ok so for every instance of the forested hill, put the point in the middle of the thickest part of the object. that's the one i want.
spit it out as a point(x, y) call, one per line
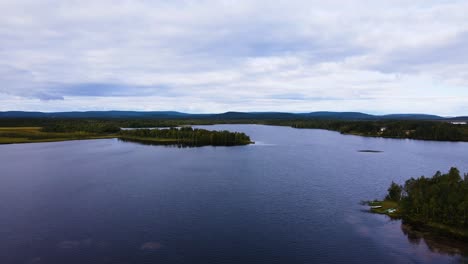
point(93, 114)
point(225, 116)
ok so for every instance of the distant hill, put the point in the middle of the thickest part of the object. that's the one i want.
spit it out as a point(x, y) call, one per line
point(459, 118)
point(93, 114)
point(363, 116)
point(21, 114)
point(254, 115)
point(412, 117)
point(340, 115)
point(226, 116)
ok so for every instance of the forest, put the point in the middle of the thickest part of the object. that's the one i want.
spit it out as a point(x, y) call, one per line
point(62, 130)
point(410, 129)
point(424, 130)
point(440, 201)
point(185, 136)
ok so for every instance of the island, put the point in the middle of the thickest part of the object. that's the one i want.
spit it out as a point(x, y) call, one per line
point(370, 151)
point(438, 204)
point(178, 136)
point(185, 136)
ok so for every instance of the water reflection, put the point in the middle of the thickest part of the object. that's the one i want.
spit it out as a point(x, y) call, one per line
point(437, 244)
point(151, 246)
point(168, 143)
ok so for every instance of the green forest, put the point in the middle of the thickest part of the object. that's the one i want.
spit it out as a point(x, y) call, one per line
point(95, 129)
point(440, 201)
point(185, 136)
point(410, 129)
point(424, 130)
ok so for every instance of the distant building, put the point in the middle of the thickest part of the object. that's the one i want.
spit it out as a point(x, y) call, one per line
point(382, 129)
point(458, 123)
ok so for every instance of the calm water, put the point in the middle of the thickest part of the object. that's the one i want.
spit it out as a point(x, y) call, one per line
point(291, 198)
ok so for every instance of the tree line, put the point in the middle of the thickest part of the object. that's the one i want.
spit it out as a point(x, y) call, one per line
point(425, 130)
point(411, 129)
point(186, 136)
point(442, 198)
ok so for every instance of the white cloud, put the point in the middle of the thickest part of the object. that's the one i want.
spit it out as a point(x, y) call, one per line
point(209, 56)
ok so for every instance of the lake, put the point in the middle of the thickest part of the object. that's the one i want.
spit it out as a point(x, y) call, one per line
point(293, 197)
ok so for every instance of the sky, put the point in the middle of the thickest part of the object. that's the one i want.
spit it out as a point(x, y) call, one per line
point(207, 56)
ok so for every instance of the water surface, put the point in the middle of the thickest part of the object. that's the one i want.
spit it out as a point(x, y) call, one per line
point(293, 197)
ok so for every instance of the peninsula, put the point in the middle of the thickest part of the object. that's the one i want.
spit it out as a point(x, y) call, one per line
point(184, 136)
point(438, 204)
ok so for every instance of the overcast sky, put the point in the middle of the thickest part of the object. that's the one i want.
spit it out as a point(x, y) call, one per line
point(216, 56)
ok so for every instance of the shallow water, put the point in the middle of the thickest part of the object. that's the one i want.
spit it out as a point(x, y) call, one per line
point(293, 197)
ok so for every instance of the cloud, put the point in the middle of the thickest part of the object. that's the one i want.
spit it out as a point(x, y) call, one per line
point(48, 97)
point(205, 56)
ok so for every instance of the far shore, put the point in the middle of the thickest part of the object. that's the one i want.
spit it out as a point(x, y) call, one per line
point(22, 135)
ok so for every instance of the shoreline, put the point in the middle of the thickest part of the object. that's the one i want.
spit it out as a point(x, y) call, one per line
point(68, 136)
point(434, 229)
point(25, 135)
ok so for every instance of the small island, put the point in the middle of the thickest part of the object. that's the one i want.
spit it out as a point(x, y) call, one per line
point(62, 131)
point(185, 136)
point(438, 204)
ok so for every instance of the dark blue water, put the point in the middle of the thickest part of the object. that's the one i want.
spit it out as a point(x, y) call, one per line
point(291, 198)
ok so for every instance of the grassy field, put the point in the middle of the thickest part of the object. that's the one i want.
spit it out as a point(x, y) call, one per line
point(10, 135)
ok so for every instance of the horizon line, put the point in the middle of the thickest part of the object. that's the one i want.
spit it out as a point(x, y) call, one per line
point(233, 111)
